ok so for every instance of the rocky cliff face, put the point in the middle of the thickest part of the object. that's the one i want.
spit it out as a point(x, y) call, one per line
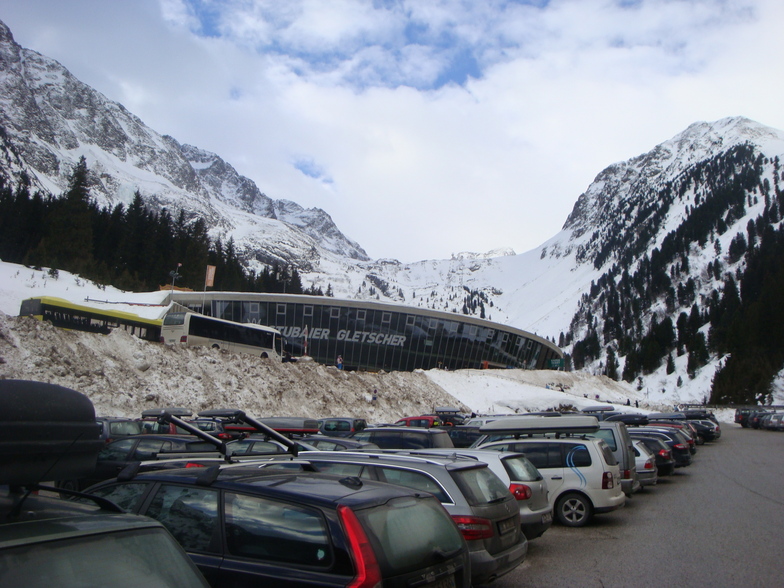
point(49, 119)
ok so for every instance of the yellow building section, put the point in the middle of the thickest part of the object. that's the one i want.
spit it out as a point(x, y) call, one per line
point(68, 315)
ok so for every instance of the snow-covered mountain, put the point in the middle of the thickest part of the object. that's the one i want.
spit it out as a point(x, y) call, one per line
point(49, 119)
point(649, 210)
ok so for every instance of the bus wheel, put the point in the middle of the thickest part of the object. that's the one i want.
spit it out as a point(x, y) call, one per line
point(264, 355)
point(215, 346)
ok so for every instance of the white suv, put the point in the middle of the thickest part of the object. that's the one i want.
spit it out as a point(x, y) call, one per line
point(582, 474)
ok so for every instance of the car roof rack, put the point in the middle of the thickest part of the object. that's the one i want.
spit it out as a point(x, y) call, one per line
point(601, 408)
point(174, 411)
point(234, 415)
point(530, 425)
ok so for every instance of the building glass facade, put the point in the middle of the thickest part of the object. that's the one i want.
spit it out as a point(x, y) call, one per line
point(373, 336)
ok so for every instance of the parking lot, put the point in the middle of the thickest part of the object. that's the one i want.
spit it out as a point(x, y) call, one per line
point(715, 523)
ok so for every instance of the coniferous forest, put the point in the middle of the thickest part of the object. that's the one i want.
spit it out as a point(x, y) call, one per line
point(741, 320)
point(133, 248)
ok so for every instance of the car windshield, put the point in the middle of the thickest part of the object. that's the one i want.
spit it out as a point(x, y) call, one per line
point(480, 485)
point(148, 557)
point(412, 533)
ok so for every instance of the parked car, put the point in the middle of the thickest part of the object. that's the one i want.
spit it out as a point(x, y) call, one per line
point(325, 443)
point(245, 526)
point(646, 464)
point(742, 416)
point(674, 439)
point(479, 502)
point(617, 438)
point(404, 437)
point(424, 421)
point(47, 541)
point(525, 482)
point(113, 428)
point(341, 426)
point(450, 415)
point(463, 435)
point(706, 429)
point(152, 425)
point(776, 422)
point(665, 463)
point(583, 476)
point(114, 457)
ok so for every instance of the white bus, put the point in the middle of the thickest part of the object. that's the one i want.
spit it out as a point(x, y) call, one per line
point(197, 329)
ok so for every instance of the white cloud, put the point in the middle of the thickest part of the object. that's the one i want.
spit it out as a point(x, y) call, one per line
point(415, 169)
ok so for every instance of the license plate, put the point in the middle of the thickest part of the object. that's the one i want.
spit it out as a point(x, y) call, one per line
point(445, 582)
point(547, 518)
point(506, 526)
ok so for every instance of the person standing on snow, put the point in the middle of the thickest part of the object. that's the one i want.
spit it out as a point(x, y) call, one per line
point(339, 362)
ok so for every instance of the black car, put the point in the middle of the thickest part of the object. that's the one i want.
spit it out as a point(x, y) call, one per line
point(113, 428)
point(405, 437)
point(341, 426)
point(117, 455)
point(673, 438)
point(665, 462)
point(46, 541)
point(246, 526)
point(326, 443)
point(463, 435)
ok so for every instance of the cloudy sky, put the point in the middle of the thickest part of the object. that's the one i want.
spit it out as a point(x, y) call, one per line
point(424, 127)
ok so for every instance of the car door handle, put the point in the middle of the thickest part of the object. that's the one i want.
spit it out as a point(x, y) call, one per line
point(556, 478)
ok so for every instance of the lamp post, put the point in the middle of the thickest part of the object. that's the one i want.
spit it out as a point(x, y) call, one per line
point(174, 275)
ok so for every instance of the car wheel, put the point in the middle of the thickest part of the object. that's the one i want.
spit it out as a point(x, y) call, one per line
point(573, 510)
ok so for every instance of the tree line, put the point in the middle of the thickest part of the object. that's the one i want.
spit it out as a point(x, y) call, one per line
point(134, 248)
point(742, 319)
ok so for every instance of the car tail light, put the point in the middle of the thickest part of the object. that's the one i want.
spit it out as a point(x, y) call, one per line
point(191, 464)
point(649, 465)
point(520, 491)
point(368, 571)
point(607, 481)
point(184, 339)
point(665, 453)
point(680, 446)
point(474, 528)
point(627, 474)
point(225, 436)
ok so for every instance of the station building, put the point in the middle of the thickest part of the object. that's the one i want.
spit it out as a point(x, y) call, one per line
point(374, 336)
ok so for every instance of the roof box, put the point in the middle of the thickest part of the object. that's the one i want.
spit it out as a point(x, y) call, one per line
point(47, 432)
point(575, 424)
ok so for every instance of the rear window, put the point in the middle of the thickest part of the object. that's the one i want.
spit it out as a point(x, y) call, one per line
point(410, 533)
point(413, 479)
point(337, 426)
point(125, 428)
point(480, 485)
point(260, 528)
point(520, 469)
point(608, 455)
point(608, 436)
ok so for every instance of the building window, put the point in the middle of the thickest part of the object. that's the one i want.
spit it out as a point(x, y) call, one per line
point(410, 320)
point(308, 311)
point(386, 317)
point(334, 312)
point(361, 314)
point(520, 339)
point(281, 308)
point(504, 337)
